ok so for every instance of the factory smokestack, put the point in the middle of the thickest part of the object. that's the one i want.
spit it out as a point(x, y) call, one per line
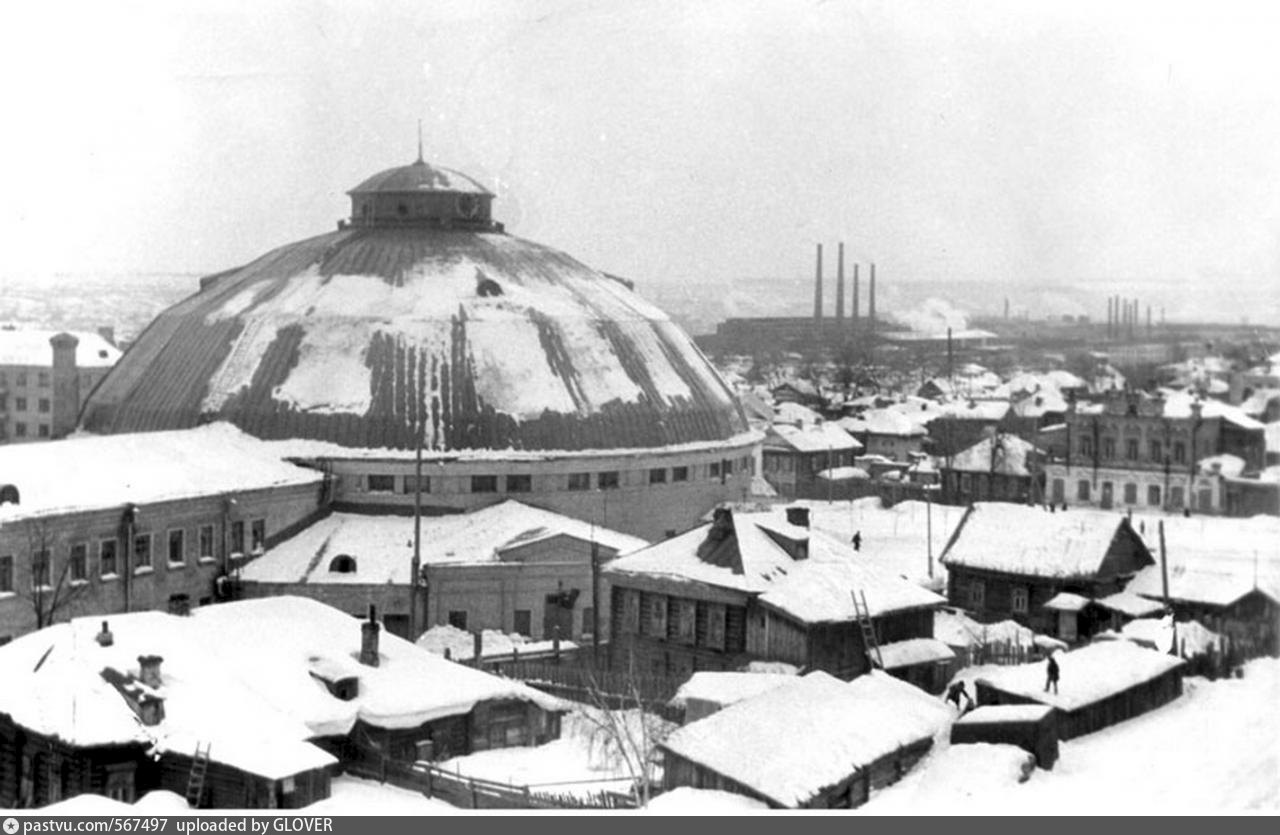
point(951, 356)
point(1110, 315)
point(1006, 308)
point(853, 323)
point(871, 300)
point(840, 290)
point(1148, 320)
point(817, 296)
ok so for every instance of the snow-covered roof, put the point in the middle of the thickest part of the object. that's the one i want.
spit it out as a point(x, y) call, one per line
point(914, 651)
point(382, 545)
point(1222, 464)
point(88, 472)
point(844, 474)
point(1030, 541)
point(1179, 405)
point(1213, 560)
point(1086, 675)
point(957, 629)
point(1065, 601)
point(239, 677)
point(1041, 403)
point(750, 561)
point(820, 437)
point(684, 800)
point(795, 413)
point(999, 714)
point(889, 422)
point(791, 742)
point(461, 644)
point(1006, 455)
point(984, 410)
point(1130, 604)
point(1159, 634)
point(728, 688)
point(31, 347)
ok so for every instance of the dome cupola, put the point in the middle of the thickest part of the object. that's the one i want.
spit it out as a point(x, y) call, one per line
point(419, 194)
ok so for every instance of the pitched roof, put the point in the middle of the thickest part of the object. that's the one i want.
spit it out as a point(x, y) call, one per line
point(793, 741)
point(892, 422)
point(728, 688)
point(821, 437)
point(1006, 456)
point(31, 347)
point(1030, 541)
point(1213, 560)
point(383, 545)
point(238, 676)
point(750, 561)
point(111, 471)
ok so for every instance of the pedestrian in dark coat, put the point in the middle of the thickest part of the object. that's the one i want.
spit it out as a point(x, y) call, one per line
point(1052, 677)
point(956, 692)
point(857, 541)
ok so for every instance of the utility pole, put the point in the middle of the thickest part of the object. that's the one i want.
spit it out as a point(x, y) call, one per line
point(928, 521)
point(416, 565)
point(1164, 584)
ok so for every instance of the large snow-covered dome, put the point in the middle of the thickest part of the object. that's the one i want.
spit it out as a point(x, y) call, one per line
point(420, 312)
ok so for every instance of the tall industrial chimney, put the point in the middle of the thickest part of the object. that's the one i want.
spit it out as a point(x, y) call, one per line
point(817, 297)
point(1110, 315)
point(871, 300)
point(854, 322)
point(840, 290)
point(1148, 320)
point(1006, 308)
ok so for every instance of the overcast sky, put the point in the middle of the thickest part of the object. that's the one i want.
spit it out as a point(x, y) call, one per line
point(661, 140)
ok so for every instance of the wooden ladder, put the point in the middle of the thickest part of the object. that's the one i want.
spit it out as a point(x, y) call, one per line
point(195, 781)
point(869, 641)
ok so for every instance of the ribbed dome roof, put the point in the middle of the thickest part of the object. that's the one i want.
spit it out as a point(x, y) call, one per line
point(419, 177)
point(492, 342)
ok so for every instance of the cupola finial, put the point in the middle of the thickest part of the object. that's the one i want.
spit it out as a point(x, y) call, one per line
point(420, 160)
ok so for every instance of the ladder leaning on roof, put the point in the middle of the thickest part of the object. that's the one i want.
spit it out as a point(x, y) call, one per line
point(195, 782)
point(869, 641)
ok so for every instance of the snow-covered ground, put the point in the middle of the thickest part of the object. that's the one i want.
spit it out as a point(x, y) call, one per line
point(354, 796)
point(1214, 750)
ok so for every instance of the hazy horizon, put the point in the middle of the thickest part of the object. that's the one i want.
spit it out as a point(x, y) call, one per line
point(1018, 145)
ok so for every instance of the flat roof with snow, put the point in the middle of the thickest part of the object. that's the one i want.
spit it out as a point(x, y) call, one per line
point(1087, 675)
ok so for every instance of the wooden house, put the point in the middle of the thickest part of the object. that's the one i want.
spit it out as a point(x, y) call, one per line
point(1000, 468)
point(253, 704)
point(815, 743)
point(793, 456)
point(1100, 685)
point(1008, 561)
point(751, 586)
point(1033, 728)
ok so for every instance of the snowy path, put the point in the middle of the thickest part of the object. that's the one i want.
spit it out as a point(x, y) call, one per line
point(1216, 749)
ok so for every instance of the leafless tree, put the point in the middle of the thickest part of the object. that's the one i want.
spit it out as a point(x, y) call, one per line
point(623, 730)
point(52, 588)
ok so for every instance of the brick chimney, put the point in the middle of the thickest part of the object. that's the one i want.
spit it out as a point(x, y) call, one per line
point(105, 638)
point(66, 385)
point(149, 670)
point(369, 638)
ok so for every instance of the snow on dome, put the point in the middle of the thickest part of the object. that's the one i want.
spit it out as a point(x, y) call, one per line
point(374, 334)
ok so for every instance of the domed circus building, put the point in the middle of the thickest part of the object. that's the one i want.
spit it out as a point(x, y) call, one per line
point(521, 372)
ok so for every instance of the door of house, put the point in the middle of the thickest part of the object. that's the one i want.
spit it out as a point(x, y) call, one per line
point(557, 619)
point(1059, 491)
point(1067, 626)
point(1106, 495)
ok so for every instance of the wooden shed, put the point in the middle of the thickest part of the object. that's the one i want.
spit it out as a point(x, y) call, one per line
point(1033, 728)
point(1099, 685)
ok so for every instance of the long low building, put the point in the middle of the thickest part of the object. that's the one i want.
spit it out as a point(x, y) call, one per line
point(100, 525)
point(509, 567)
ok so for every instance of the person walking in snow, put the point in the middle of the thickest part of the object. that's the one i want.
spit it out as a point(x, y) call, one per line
point(857, 541)
point(1052, 677)
point(954, 694)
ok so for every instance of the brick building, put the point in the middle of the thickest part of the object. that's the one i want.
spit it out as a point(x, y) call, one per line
point(45, 376)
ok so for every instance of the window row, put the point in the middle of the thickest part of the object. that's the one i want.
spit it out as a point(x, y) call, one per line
point(22, 404)
point(523, 482)
point(21, 379)
point(522, 622)
point(694, 623)
point(1154, 494)
point(46, 574)
point(976, 597)
point(1156, 451)
point(20, 430)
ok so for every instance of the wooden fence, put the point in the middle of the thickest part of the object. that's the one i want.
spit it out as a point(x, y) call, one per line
point(1002, 653)
point(478, 793)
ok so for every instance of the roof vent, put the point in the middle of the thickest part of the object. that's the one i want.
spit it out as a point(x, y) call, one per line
point(369, 639)
point(149, 670)
point(105, 638)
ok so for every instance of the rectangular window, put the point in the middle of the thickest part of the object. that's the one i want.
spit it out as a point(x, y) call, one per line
point(1175, 498)
point(237, 537)
point(79, 562)
point(1108, 448)
point(42, 378)
point(258, 535)
point(679, 473)
point(726, 468)
point(1082, 491)
point(19, 404)
point(1019, 598)
point(715, 625)
point(977, 594)
point(588, 621)
point(107, 558)
point(41, 570)
point(42, 430)
point(142, 551)
point(520, 483)
point(6, 574)
point(1086, 446)
point(1153, 447)
point(579, 481)
point(20, 430)
point(522, 623)
point(43, 405)
point(484, 484)
point(380, 483)
point(1131, 493)
point(658, 475)
point(21, 378)
point(1153, 495)
point(713, 470)
point(1131, 449)
point(206, 543)
point(410, 485)
point(177, 547)
point(458, 619)
point(608, 480)
point(1180, 453)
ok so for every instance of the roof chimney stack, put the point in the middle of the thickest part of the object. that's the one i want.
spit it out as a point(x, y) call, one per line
point(105, 638)
point(369, 638)
point(149, 670)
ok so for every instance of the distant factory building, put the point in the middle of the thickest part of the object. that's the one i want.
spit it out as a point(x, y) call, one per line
point(45, 376)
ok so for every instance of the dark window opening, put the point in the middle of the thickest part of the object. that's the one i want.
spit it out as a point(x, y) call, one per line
point(177, 547)
point(410, 485)
point(484, 484)
point(658, 475)
point(343, 564)
point(679, 473)
point(237, 537)
point(458, 619)
point(521, 483)
point(522, 623)
point(107, 557)
point(381, 483)
point(258, 535)
point(608, 480)
point(579, 481)
point(142, 551)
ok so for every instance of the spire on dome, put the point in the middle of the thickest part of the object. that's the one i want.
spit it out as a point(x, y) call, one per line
point(420, 160)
